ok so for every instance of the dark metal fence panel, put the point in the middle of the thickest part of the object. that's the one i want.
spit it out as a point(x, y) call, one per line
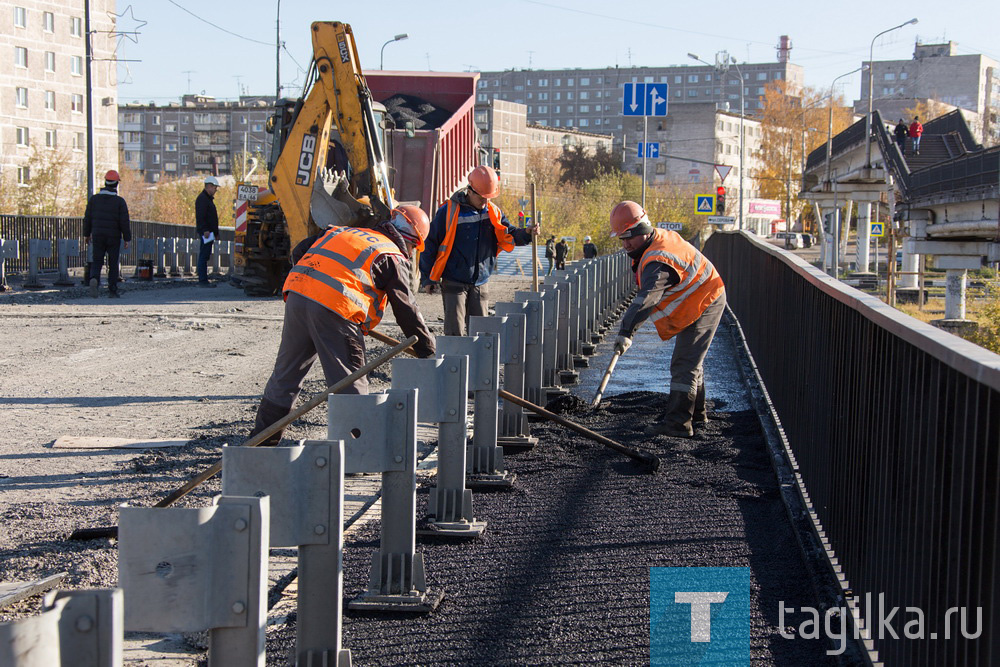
point(23, 228)
point(980, 170)
point(895, 427)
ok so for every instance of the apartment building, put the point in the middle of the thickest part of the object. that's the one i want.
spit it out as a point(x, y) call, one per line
point(195, 136)
point(939, 73)
point(43, 82)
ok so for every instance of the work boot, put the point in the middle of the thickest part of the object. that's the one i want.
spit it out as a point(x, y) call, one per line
point(93, 288)
point(268, 413)
point(700, 414)
point(677, 421)
point(114, 295)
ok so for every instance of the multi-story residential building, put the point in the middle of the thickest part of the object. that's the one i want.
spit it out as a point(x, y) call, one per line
point(505, 132)
point(937, 73)
point(591, 99)
point(43, 82)
point(199, 135)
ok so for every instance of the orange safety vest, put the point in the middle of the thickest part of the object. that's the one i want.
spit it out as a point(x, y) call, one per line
point(336, 273)
point(505, 241)
point(699, 287)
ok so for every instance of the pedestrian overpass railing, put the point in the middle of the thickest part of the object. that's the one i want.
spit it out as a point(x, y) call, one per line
point(23, 228)
point(894, 430)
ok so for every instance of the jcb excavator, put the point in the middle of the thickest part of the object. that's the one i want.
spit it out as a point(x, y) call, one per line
point(327, 165)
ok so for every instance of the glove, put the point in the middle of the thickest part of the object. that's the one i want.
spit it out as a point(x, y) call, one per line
point(622, 344)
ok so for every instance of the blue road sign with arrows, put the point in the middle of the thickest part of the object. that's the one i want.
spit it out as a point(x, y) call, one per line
point(651, 149)
point(644, 99)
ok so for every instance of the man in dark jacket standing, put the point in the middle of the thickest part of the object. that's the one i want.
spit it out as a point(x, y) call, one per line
point(900, 132)
point(466, 235)
point(207, 224)
point(105, 226)
point(550, 253)
point(589, 248)
point(562, 249)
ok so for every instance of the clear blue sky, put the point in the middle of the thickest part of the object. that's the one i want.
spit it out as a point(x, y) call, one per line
point(177, 43)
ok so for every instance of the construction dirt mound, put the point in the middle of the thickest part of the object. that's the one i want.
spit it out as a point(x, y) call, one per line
point(405, 109)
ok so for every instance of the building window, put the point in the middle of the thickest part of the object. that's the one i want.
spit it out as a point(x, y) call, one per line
point(531, 110)
point(76, 26)
point(170, 127)
point(50, 138)
point(156, 140)
point(50, 61)
point(903, 76)
point(20, 56)
point(543, 109)
point(20, 17)
point(692, 93)
point(583, 122)
point(21, 97)
point(708, 78)
point(584, 95)
point(569, 82)
point(185, 159)
point(584, 81)
point(155, 157)
point(76, 65)
point(558, 82)
point(81, 177)
point(79, 142)
point(584, 108)
point(518, 88)
point(48, 22)
point(50, 100)
point(779, 75)
point(543, 96)
point(21, 135)
point(890, 76)
point(481, 97)
point(76, 106)
point(257, 127)
point(543, 82)
point(185, 141)
point(170, 147)
point(23, 175)
point(661, 168)
point(569, 95)
point(760, 91)
point(762, 76)
point(155, 119)
point(692, 78)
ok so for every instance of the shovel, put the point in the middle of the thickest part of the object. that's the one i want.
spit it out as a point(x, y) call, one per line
point(319, 399)
point(649, 460)
point(604, 380)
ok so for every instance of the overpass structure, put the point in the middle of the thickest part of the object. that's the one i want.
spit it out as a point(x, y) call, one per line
point(945, 200)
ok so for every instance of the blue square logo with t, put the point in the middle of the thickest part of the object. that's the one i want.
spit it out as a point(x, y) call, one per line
point(699, 616)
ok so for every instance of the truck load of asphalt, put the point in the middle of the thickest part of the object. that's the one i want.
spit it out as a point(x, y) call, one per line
point(562, 572)
point(410, 108)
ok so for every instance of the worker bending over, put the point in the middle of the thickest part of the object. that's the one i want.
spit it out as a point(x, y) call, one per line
point(682, 293)
point(466, 235)
point(334, 295)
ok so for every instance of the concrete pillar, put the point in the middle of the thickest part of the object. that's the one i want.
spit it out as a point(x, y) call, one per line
point(862, 254)
point(954, 295)
point(845, 230)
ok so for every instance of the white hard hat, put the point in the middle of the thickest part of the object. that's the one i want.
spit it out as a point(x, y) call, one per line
point(586, 238)
point(212, 180)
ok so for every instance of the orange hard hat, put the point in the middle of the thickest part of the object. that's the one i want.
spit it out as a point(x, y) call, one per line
point(484, 181)
point(412, 223)
point(626, 217)
point(112, 175)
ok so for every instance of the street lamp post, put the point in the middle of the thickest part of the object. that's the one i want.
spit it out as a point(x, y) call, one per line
point(871, 90)
point(742, 136)
point(397, 38)
point(835, 223)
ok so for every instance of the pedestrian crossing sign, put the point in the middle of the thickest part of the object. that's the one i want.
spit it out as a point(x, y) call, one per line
point(704, 204)
point(878, 229)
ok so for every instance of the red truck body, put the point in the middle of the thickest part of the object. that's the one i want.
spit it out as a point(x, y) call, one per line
point(432, 164)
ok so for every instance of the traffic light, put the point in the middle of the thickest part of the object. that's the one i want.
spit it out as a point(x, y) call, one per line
point(520, 219)
point(720, 200)
point(496, 160)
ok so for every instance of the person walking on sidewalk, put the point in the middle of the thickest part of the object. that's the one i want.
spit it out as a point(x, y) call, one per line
point(207, 225)
point(105, 225)
point(466, 235)
point(334, 295)
point(680, 290)
point(916, 131)
point(900, 132)
point(550, 253)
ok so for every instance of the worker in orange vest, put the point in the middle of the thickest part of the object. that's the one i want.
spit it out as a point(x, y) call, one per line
point(334, 295)
point(466, 235)
point(683, 294)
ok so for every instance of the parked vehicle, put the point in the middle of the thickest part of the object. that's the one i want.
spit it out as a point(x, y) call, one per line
point(789, 240)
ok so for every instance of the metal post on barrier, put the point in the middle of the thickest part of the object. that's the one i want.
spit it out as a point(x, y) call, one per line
point(37, 249)
point(9, 249)
point(184, 259)
point(380, 435)
point(161, 250)
point(513, 427)
point(564, 373)
point(484, 464)
point(75, 627)
point(173, 257)
point(531, 305)
point(197, 569)
point(64, 249)
point(443, 387)
point(217, 251)
point(305, 485)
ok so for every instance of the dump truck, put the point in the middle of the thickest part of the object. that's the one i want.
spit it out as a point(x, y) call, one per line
point(333, 151)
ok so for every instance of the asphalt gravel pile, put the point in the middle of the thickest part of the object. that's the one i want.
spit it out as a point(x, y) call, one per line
point(561, 574)
point(416, 110)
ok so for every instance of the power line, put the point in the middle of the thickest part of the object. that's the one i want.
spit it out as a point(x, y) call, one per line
point(218, 27)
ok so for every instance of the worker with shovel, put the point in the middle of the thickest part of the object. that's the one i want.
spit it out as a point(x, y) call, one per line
point(334, 295)
point(683, 294)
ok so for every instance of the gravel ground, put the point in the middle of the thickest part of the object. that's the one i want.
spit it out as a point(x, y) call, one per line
point(168, 360)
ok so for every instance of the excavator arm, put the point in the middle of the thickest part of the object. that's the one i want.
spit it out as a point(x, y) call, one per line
point(330, 169)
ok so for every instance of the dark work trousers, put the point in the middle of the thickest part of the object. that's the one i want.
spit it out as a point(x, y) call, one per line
point(462, 301)
point(312, 332)
point(690, 347)
point(551, 263)
point(110, 246)
point(204, 254)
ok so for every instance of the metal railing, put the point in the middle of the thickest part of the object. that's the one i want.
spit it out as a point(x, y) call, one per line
point(23, 228)
point(895, 430)
point(853, 135)
point(973, 170)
